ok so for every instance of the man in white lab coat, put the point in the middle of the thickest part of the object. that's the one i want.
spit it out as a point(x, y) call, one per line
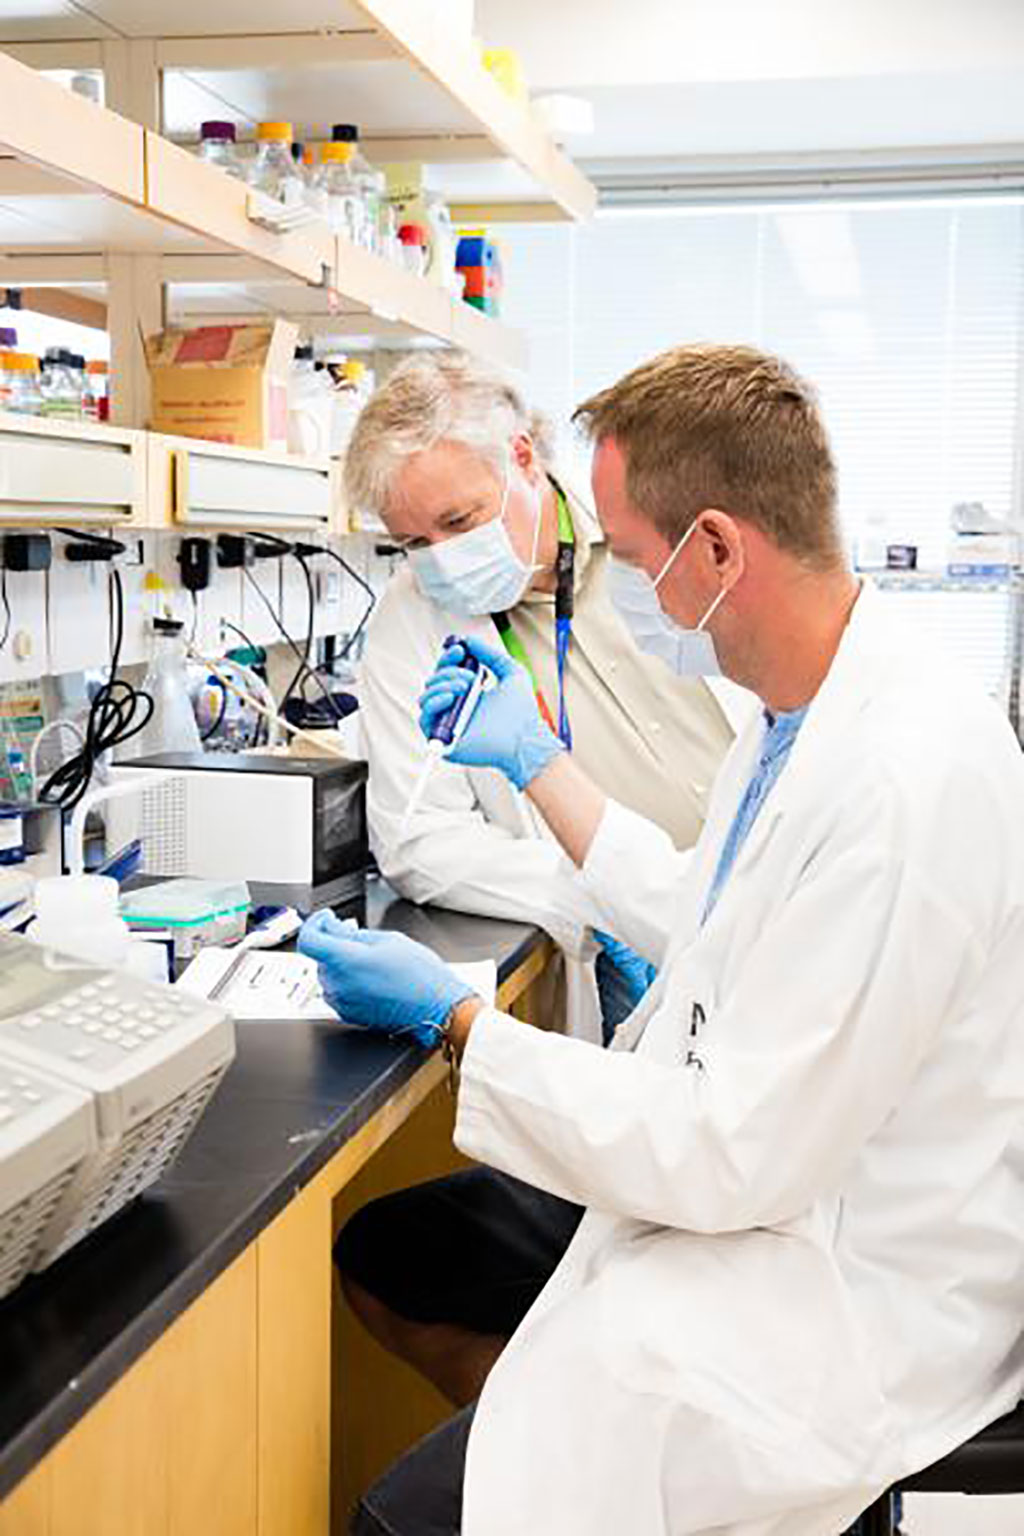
point(461, 473)
point(799, 1275)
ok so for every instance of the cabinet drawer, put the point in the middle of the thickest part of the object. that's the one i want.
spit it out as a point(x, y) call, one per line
point(49, 477)
point(213, 489)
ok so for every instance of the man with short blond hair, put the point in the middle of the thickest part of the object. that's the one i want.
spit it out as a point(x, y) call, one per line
point(796, 1276)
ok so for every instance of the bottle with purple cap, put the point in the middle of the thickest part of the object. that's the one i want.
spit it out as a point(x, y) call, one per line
point(218, 146)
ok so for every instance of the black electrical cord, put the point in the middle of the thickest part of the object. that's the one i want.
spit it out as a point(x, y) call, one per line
point(114, 714)
point(304, 665)
point(371, 594)
point(7, 608)
point(227, 624)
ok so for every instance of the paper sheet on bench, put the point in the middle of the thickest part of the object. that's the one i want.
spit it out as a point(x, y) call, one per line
point(271, 984)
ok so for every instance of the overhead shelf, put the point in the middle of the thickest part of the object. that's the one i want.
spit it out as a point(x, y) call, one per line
point(407, 70)
point(77, 181)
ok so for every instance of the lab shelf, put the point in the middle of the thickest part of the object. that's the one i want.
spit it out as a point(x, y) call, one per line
point(407, 70)
point(77, 181)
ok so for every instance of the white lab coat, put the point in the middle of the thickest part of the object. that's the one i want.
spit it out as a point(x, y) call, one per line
point(477, 844)
point(801, 1271)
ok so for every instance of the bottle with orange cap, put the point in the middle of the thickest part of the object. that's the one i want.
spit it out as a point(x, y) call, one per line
point(274, 170)
point(19, 383)
point(341, 197)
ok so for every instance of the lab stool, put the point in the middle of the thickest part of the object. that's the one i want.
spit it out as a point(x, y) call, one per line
point(991, 1463)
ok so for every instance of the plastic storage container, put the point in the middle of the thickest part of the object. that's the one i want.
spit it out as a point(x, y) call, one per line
point(273, 170)
point(194, 912)
point(217, 146)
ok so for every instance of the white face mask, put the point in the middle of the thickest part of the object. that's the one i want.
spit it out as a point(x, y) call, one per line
point(689, 652)
point(476, 572)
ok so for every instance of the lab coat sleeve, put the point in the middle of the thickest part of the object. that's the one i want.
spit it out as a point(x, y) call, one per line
point(452, 854)
point(633, 880)
point(831, 1017)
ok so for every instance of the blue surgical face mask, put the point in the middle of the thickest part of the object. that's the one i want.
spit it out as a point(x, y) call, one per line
point(689, 652)
point(476, 572)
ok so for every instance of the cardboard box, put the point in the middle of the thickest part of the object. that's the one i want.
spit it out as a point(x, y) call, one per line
point(225, 383)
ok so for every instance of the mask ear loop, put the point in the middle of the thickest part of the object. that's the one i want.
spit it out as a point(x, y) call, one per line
point(706, 620)
point(675, 554)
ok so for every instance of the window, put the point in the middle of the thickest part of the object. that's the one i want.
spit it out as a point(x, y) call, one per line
point(906, 315)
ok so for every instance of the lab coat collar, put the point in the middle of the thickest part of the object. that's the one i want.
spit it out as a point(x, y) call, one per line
point(860, 663)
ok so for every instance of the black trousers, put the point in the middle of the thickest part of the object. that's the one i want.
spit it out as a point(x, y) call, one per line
point(474, 1249)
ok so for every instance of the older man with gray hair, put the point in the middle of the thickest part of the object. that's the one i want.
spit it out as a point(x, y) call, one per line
point(500, 547)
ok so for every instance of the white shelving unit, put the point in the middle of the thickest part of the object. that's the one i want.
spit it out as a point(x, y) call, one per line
point(102, 202)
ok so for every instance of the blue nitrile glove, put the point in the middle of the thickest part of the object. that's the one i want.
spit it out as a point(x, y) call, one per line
point(638, 973)
point(384, 981)
point(506, 731)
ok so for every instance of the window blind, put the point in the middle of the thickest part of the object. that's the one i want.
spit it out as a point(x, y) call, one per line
point(906, 314)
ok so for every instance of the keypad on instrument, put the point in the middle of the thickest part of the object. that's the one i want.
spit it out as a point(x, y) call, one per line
point(101, 1023)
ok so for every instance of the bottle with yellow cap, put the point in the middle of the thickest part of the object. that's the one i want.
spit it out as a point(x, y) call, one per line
point(19, 383)
point(274, 170)
point(340, 194)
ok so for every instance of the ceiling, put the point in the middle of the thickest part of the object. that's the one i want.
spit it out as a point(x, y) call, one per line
point(707, 78)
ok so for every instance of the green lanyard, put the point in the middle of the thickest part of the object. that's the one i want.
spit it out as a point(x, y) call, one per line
point(565, 567)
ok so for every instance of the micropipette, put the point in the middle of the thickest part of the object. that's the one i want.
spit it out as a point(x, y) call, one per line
point(447, 730)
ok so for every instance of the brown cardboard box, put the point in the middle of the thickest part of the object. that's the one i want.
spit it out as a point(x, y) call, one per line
point(227, 383)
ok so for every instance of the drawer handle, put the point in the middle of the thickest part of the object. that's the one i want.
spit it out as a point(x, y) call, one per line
point(179, 484)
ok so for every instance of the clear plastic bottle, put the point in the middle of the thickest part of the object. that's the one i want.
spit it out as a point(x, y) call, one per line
point(310, 404)
point(274, 171)
point(218, 146)
point(172, 726)
point(351, 385)
point(61, 392)
point(340, 193)
point(371, 183)
point(387, 223)
point(76, 368)
point(414, 242)
point(97, 391)
point(19, 384)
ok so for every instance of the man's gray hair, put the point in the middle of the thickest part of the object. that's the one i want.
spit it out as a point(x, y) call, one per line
point(432, 398)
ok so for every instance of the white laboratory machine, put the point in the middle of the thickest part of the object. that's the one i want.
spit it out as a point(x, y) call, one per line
point(296, 823)
point(47, 1135)
point(146, 1056)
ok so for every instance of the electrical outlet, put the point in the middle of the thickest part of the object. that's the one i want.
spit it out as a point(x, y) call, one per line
point(328, 584)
